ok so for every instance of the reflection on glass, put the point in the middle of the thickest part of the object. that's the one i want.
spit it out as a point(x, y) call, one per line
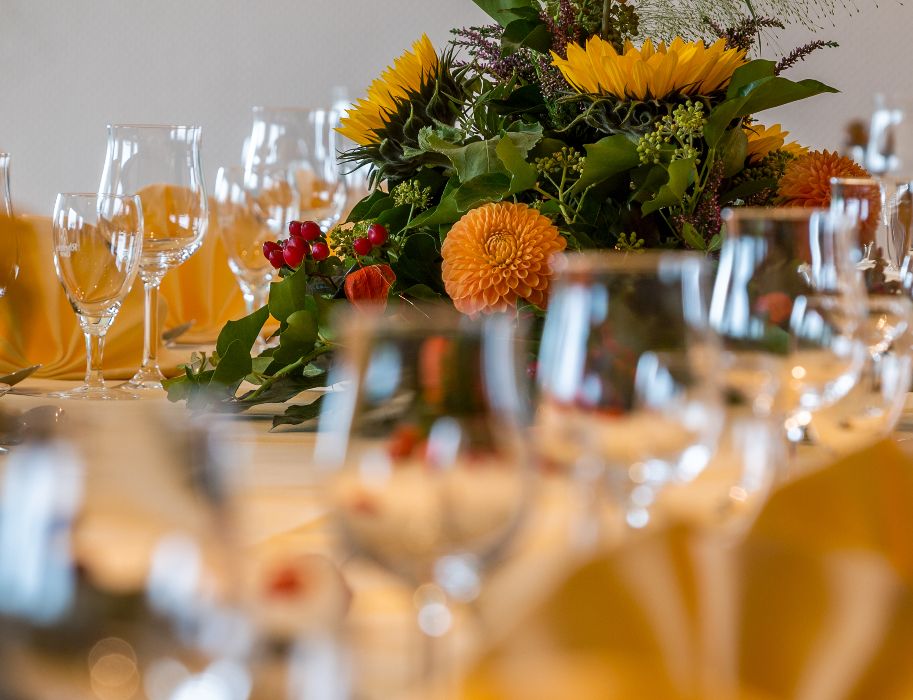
point(627, 392)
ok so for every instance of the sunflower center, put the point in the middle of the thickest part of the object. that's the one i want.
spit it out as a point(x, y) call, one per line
point(501, 247)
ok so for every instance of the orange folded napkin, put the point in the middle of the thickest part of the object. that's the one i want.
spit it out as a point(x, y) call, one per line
point(37, 324)
point(814, 603)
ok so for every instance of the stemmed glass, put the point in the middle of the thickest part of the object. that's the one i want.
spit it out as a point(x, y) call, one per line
point(627, 395)
point(9, 264)
point(789, 306)
point(879, 396)
point(245, 224)
point(303, 143)
point(98, 243)
point(426, 452)
point(6, 202)
point(162, 165)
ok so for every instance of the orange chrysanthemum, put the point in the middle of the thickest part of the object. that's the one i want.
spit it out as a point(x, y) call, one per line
point(497, 254)
point(764, 140)
point(807, 180)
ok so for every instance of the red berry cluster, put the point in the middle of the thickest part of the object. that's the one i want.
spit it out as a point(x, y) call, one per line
point(376, 236)
point(305, 240)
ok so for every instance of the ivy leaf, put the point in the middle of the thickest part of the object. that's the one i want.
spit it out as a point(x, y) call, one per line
point(285, 389)
point(244, 330)
point(298, 414)
point(605, 158)
point(288, 295)
point(234, 364)
point(682, 174)
point(370, 206)
point(299, 336)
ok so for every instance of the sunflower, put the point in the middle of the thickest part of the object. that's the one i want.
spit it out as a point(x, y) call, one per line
point(364, 123)
point(497, 254)
point(806, 181)
point(650, 72)
point(764, 140)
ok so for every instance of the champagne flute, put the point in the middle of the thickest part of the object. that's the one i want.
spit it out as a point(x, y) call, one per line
point(303, 143)
point(245, 224)
point(98, 243)
point(426, 452)
point(627, 395)
point(789, 306)
point(160, 164)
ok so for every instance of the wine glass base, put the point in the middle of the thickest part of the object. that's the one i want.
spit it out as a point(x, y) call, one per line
point(146, 380)
point(92, 393)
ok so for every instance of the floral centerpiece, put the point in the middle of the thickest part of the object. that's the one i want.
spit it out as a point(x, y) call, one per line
point(564, 125)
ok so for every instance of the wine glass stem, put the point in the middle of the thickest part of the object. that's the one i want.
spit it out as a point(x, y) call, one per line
point(95, 347)
point(151, 281)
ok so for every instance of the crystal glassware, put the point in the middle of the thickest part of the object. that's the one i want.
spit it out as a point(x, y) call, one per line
point(627, 395)
point(6, 200)
point(9, 246)
point(789, 307)
point(162, 165)
point(303, 143)
point(426, 451)
point(245, 224)
point(98, 243)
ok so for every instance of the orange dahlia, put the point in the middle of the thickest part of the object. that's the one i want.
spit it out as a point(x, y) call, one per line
point(497, 254)
point(807, 180)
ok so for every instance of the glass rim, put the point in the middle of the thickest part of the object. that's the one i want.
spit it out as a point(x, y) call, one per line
point(855, 181)
point(98, 195)
point(619, 261)
point(185, 127)
point(770, 213)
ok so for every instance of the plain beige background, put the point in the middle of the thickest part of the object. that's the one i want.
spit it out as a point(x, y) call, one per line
point(67, 67)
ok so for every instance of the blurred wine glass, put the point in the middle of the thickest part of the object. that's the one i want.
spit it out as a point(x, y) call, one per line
point(161, 164)
point(9, 245)
point(302, 143)
point(426, 452)
point(6, 200)
point(890, 145)
point(789, 306)
point(245, 224)
point(98, 241)
point(627, 394)
point(878, 398)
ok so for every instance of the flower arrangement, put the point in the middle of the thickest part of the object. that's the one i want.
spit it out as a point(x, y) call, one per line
point(559, 126)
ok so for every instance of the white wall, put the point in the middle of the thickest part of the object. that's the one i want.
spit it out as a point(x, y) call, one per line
point(67, 67)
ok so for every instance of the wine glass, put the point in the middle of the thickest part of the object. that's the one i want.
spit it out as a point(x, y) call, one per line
point(627, 393)
point(160, 164)
point(878, 398)
point(302, 143)
point(98, 243)
point(9, 264)
point(789, 306)
point(6, 201)
point(890, 146)
point(245, 224)
point(426, 452)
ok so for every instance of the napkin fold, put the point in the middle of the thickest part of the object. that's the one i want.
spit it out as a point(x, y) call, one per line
point(38, 325)
point(815, 603)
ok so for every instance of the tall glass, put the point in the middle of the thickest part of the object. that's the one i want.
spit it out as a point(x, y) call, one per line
point(628, 400)
point(304, 144)
point(160, 164)
point(245, 224)
point(98, 241)
point(9, 246)
point(6, 200)
point(789, 307)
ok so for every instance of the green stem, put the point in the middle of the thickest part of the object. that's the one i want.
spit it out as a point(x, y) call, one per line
point(288, 369)
point(606, 7)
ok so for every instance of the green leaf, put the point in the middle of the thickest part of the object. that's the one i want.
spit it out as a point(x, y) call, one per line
point(527, 33)
point(778, 91)
point(720, 118)
point(234, 365)
point(605, 158)
point(421, 291)
point(488, 187)
point(691, 237)
point(506, 11)
point(733, 148)
point(245, 330)
point(715, 243)
point(682, 174)
point(420, 262)
point(370, 206)
point(747, 189)
point(298, 414)
point(512, 151)
point(298, 338)
point(288, 295)
point(285, 389)
point(749, 73)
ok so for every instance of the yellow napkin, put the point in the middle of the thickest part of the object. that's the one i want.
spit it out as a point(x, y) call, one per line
point(815, 603)
point(37, 324)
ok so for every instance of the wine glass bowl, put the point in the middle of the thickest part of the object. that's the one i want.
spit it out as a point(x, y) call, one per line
point(303, 144)
point(625, 374)
point(161, 164)
point(98, 242)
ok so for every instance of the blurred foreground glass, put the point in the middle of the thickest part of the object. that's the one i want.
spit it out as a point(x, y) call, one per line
point(426, 451)
point(9, 245)
point(245, 225)
point(98, 243)
point(878, 399)
point(162, 165)
point(627, 394)
point(890, 146)
point(6, 200)
point(789, 306)
point(114, 582)
point(303, 144)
